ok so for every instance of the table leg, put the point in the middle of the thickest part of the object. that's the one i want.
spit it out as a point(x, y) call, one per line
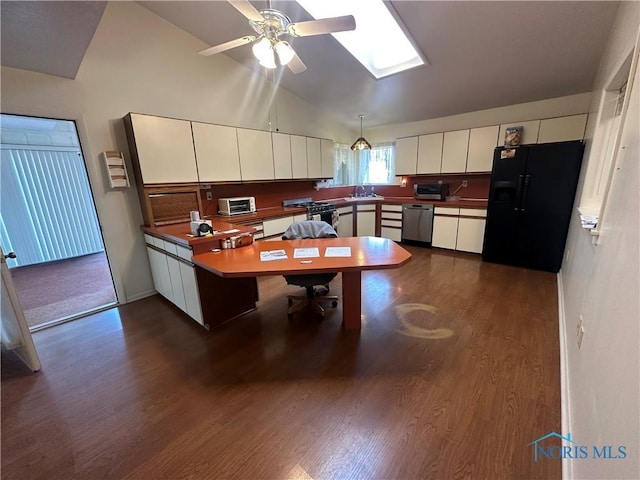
point(351, 299)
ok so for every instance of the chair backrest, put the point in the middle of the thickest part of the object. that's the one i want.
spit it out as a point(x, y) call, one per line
point(309, 229)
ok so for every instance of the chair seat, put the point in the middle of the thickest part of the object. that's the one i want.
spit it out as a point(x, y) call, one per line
point(310, 280)
point(310, 229)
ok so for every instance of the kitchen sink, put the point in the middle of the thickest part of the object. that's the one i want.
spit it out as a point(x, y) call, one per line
point(355, 199)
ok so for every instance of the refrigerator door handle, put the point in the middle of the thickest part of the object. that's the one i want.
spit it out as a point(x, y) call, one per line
point(519, 193)
point(527, 180)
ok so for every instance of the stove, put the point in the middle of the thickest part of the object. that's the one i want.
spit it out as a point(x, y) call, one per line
point(311, 206)
point(323, 211)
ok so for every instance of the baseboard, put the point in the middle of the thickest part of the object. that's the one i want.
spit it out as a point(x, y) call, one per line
point(140, 296)
point(565, 410)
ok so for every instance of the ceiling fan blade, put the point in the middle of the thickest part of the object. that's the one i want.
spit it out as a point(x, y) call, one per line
point(227, 45)
point(296, 65)
point(246, 9)
point(325, 25)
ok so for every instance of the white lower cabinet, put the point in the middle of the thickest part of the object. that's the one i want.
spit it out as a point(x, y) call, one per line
point(445, 232)
point(394, 234)
point(176, 283)
point(470, 235)
point(191, 294)
point(160, 273)
point(471, 230)
point(276, 226)
point(459, 228)
point(175, 278)
point(391, 222)
point(345, 222)
point(366, 221)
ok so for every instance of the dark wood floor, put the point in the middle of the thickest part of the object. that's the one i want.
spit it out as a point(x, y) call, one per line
point(455, 372)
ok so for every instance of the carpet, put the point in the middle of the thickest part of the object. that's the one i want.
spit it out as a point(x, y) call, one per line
point(57, 290)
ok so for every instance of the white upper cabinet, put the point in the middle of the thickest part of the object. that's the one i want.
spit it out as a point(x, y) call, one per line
point(281, 155)
point(406, 155)
point(314, 158)
point(256, 154)
point(430, 153)
point(326, 150)
point(482, 143)
point(216, 152)
point(529, 134)
point(299, 156)
point(562, 129)
point(454, 151)
point(165, 149)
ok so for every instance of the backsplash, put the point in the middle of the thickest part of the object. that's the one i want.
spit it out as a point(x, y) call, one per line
point(271, 194)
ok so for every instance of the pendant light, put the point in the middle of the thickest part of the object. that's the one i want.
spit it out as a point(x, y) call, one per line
point(361, 143)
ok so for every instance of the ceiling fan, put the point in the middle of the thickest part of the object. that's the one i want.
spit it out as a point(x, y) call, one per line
point(270, 25)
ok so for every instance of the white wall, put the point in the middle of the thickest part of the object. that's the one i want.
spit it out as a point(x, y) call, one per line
point(138, 62)
point(602, 283)
point(554, 107)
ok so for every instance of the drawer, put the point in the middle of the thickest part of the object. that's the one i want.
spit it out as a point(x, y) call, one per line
point(391, 208)
point(366, 208)
point(184, 252)
point(301, 217)
point(276, 226)
point(345, 210)
point(148, 239)
point(158, 242)
point(391, 233)
point(446, 211)
point(387, 222)
point(391, 215)
point(170, 247)
point(473, 212)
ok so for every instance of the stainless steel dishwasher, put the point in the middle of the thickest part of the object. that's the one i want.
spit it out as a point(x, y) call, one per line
point(417, 223)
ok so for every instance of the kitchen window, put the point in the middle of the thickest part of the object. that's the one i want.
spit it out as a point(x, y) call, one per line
point(370, 167)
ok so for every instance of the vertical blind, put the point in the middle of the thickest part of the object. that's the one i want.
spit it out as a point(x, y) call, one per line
point(46, 208)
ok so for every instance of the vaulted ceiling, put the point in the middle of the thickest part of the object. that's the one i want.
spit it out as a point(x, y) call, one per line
point(481, 54)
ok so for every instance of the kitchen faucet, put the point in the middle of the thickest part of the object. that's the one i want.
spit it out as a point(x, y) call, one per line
point(363, 190)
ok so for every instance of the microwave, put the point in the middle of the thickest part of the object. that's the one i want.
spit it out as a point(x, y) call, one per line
point(431, 191)
point(236, 206)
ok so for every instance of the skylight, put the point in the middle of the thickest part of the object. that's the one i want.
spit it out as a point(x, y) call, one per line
point(378, 42)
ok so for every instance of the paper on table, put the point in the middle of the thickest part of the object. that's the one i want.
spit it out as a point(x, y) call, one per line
point(306, 252)
point(337, 252)
point(269, 255)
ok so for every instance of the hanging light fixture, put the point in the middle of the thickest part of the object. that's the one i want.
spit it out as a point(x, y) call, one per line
point(361, 143)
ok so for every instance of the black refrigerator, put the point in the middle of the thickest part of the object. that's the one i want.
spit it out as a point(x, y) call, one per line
point(530, 202)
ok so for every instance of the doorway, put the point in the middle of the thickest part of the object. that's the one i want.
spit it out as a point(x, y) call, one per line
point(48, 218)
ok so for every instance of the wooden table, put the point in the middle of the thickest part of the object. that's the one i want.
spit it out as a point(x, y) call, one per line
point(367, 253)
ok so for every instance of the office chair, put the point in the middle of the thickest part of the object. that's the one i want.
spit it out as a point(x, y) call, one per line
point(310, 229)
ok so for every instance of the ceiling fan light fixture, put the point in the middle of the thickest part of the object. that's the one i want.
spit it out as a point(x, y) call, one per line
point(361, 143)
point(284, 51)
point(263, 51)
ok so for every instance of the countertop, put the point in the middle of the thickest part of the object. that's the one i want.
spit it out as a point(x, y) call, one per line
point(180, 233)
point(464, 203)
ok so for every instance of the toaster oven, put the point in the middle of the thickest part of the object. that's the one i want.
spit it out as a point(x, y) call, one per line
point(431, 191)
point(236, 206)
